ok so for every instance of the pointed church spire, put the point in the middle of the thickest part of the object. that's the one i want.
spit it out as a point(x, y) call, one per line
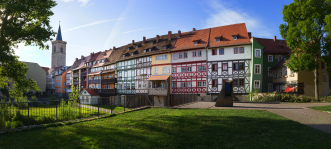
point(59, 35)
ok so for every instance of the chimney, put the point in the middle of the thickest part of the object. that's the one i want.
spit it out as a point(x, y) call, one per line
point(114, 47)
point(169, 35)
point(179, 33)
point(194, 29)
point(144, 39)
point(249, 35)
point(76, 59)
point(82, 57)
point(132, 42)
point(157, 38)
point(275, 38)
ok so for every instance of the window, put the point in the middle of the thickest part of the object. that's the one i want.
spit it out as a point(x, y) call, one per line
point(275, 74)
point(199, 53)
point(238, 66)
point(204, 68)
point(257, 68)
point(270, 58)
point(241, 50)
point(175, 55)
point(164, 47)
point(174, 85)
point(185, 54)
point(189, 84)
point(161, 57)
point(137, 47)
point(195, 42)
point(279, 57)
point(198, 68)
point(204, 84)
point(183, 84)
point(257, 52)
point(183, 69)
point(214, 83)
point(280, 72)
point(285, 71)
point(269, 71)
point(241, 82)
point(234, 37)
point(168, 69)
point(155, 70)
point(218, 39)
point(180, 55)
point(164, 69)
point(214, 52)
point(222, 51)
point(199, 84)
point(189, 69)
point(64, 89)
point(174, 70)
point(235, 82)
point(257, 84)
point(270, 87)
point(224, 66)
point(235, 50)
point(194, 53)
point(214, 67)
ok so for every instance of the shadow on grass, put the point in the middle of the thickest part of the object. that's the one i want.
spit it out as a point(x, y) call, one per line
point(175, 128)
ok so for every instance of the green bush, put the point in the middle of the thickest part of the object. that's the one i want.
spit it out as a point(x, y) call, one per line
point(67, 111)
point(34, 101)
point(22, 102)
point(288, 98)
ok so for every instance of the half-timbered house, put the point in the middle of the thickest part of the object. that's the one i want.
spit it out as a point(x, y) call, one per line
point(229, 58)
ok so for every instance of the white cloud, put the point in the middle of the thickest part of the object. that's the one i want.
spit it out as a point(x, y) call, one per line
point(83, 2)
point(93, 23)
point(224, 15)
point(137, 30)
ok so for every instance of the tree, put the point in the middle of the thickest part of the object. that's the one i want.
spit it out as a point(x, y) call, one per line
point(74, 93)
point(307, 32)
point(22, 21)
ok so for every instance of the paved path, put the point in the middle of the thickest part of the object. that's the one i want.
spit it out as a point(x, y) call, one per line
point(295, 111)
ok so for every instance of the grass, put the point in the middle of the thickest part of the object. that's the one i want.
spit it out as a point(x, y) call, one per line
point(48, 114)
point(322, 108)
point(175, 128)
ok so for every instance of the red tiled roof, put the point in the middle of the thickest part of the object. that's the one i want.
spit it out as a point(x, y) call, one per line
point(92, 92)
point(226, 32)
point(186, 40)
point(274, 47)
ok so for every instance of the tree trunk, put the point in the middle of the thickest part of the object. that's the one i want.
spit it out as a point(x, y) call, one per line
point(316, 84)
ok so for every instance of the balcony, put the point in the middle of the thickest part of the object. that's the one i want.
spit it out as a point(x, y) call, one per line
point(108, 91)
point(83, 73)
point(158, 91)
point(94, 81)
point(75, 75)
point(109, 81)
point(83, 82)
point(76, 82)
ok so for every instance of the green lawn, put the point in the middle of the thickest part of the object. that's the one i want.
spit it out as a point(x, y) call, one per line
point(322, 108)
point(175, 128)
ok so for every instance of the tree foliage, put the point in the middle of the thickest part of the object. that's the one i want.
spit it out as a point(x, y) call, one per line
point(26, 22)
point(74, 93)
point(306, 30)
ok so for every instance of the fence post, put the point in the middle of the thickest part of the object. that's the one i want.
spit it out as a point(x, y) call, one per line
point(111, 107)
point(124, 102)
point(28, 114)
point(56, 110)
point(98, 106)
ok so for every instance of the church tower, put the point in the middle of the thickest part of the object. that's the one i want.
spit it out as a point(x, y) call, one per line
point(58, 51)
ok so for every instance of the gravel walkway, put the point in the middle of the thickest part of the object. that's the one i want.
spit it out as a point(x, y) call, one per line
point(295, 111)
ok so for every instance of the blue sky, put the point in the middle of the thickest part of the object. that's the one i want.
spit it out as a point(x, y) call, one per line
point(95, 25)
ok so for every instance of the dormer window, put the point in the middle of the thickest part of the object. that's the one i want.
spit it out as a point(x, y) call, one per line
point(195, 42)
point(137, 47)
point(164, 47)
point(234, 37)
point(144, 51)
point(152, 43)
point(218, 39)
point(128, 49)
point(132, 53)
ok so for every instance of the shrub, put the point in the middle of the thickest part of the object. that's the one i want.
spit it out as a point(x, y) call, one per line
point(34, 101)
point(67, 110)
point(22, 102)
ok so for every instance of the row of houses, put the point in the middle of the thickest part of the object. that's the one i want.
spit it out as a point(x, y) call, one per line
point(194, 62)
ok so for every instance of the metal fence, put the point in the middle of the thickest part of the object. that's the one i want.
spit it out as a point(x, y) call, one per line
point(18, 114)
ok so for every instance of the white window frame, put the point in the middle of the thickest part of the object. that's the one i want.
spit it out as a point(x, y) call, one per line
point(175, 56)
point(257, 50)
point(204, 84)
point(255, 65)
point(164, 69)
point(257, 82)
point(168, 69)
point(155, 70)
point(272, 58)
